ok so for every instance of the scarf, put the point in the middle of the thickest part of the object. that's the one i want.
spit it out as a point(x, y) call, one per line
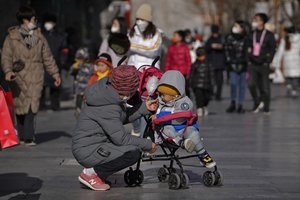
point(29, 37)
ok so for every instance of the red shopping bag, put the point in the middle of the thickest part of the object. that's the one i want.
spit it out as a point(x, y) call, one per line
point(8, 136)
point(10, 104)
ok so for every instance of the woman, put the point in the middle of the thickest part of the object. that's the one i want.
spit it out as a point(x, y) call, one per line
point(117, 43)
point(100, 142)
point(289, 51)
point(145, 46)
point(26, 48)
point(236, 57)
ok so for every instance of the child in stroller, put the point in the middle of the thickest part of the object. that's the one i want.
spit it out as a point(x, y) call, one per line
point(163, 132)
point(172, 99)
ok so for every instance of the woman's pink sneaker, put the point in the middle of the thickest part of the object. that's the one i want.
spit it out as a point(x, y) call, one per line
point(93, 182)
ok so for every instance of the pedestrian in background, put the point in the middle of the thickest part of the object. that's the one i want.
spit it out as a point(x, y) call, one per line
point(289, 51)
point(26, 48)
point(262, 45)
point(82, 70)
point(215, 54)
point(58, 46)
point(117, 43)
point(236, 58)
point(201, 81)
point(145, 46)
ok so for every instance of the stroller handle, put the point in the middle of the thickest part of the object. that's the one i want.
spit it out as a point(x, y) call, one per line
point(189, 115)
point(155, 61)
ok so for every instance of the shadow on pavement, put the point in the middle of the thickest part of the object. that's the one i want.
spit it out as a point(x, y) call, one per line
point(20, 182)
point(48, 136)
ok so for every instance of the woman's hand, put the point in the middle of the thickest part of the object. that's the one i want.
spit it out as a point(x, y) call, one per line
point(153, 148)
point(57, 81)
point(9, 76)
point(152, 105)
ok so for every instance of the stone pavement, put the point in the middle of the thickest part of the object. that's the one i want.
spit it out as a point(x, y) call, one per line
point(258, 155)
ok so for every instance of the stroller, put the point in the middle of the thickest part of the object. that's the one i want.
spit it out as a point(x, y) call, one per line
point(176, 179)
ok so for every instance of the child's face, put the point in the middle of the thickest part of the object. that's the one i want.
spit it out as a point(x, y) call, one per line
point(101, 67)
point(201, 58)
point(176, 38)
point(166, 97)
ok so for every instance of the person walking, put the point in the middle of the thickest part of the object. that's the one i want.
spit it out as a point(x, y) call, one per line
point(289, 51)
point(25, 54)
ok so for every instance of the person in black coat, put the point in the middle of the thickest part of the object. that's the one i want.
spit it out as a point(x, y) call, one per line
point(262, 45)
point(236, 57)
point(201, 81)
point(58, 45)
point(215, 54)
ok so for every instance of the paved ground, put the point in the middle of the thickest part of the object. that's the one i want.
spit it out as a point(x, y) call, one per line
point(258, 155)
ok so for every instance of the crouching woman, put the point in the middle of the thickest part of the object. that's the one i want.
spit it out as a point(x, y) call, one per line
point(100, 142)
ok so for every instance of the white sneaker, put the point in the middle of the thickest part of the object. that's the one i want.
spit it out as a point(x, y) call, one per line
point(259, 107)
point(137, 134)
point(200, 112)
point(294, 93)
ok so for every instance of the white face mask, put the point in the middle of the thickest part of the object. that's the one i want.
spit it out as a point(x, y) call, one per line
point(49, 26)
point(115, 29)
point(142, 25)
point(31, 26)
point(254, 25)
point(236, 30)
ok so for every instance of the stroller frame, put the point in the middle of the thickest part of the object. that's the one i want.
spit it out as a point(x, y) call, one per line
point(175, 179)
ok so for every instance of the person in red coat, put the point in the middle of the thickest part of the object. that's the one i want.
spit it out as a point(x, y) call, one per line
point(178, 57)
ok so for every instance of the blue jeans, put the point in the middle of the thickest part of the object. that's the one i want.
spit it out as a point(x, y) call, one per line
point(238, 85)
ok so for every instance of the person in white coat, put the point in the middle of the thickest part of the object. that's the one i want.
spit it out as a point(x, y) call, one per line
point(289, 51)
point(145, 45)
point(145, 39)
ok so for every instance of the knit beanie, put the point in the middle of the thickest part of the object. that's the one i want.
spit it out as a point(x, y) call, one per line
point(168, 89)
point(104, 58)
point(125, 80)
point(144, 12)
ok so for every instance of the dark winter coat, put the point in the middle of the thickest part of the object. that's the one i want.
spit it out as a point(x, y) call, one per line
point(201, 75)
point(267, 50)
point(236, 52)
point(215, 56)
point(57, 41)
point(100, 136)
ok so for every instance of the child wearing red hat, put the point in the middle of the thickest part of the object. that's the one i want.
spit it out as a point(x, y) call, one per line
point(102, 68)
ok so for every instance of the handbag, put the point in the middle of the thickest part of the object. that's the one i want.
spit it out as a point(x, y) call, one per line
point(8, 135)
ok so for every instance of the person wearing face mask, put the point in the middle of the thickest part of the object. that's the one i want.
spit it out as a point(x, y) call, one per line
point(261, 49)
point(58, 46)
point(236, 58)
point(145, 39)
point(117, 43)
point(145, 46)
point(100, 142)
point(27, 46)
point(214, 48)
point(178, 57)
point(201, 81)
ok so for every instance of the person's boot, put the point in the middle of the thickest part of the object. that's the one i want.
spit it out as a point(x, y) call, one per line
point(240, 109)
point(231, 108)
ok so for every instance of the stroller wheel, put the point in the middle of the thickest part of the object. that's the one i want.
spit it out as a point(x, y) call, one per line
point(174, 181)
point(171, 170)
point(163, 175)
point(185, 180)
point(208, 178)
point(219, 178)
point(128, 178)
point(139, 177)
